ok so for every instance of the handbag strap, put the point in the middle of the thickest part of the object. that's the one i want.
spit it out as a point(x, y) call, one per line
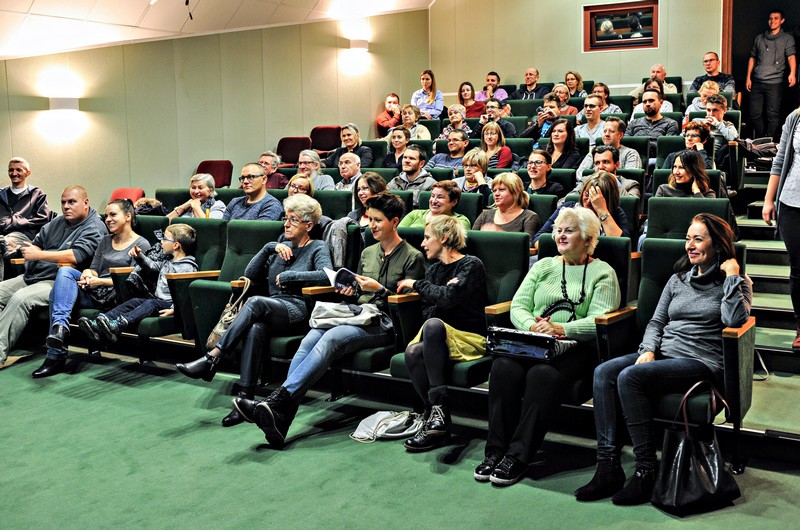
point(239, 302)
point(715, 395)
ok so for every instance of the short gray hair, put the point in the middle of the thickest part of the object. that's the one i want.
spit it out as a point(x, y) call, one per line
point(314, 156)
point(207, 179)
point(20, 160)
point(304, 206)
point(586, 220)
point(276, 158)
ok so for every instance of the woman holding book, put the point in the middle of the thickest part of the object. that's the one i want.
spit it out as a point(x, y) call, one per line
point(284, 266)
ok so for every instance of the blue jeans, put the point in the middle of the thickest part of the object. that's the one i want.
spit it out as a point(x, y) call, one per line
point(137, 309)
point(321, 347)
point(622, 382)
point(65, 296)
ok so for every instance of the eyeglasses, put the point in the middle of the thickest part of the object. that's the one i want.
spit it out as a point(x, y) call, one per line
point(535, 163)
point(301, 163)
point(590, 106)
point(294, 221)
point(249, 177)
point(490, 133)
point(161, 237)
point(301, 189)
point(692, 135)
point(494, 107)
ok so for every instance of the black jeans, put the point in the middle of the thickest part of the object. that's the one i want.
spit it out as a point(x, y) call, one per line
point(765, 109)
point(427, 359)
point(788, 223)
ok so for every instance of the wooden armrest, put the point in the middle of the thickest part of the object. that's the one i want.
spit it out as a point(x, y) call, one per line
point(65, 264)
point(636, 255)
point(318, 290)
point(17, 261)
point(735, 333)
point(121, 270)
point(533, 251)
point(733, 143)
point(498, 309)
point(615, 316)
point(192, 275)
point(237, 284)
point(404, 298)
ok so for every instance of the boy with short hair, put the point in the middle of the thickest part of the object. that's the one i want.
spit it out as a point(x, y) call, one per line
point(178, 241)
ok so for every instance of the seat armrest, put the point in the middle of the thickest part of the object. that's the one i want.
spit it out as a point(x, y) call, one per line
point(498, 309)
point(318, 290)
point(196, 275)
point(121, 270)
point(738, 356)
point(736, 333)
point(404, 298)
point(616, 333)
point(533, 251)
point(615, 316)
point(17, 261)
point(65, 264)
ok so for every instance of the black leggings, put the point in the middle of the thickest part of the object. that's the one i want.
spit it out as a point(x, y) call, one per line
point(788, 222)
point(427, 359)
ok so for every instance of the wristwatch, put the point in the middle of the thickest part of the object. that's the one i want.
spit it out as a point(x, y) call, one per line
point(604, 217)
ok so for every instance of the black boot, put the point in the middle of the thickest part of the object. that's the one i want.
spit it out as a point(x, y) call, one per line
point(607, 480)
point(235, 417)
point(58, 337)
point(205, 367)
point(90, 328)
point(436, 430)
point(638, 490)
point(49, 367)
point(275, 415)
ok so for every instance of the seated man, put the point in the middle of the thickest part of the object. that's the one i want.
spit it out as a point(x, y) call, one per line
point(711, 64)
point(602, 90)
point(657, 71)
point(492, 89)
point(350, 171)
point(23, 209)
point(493, 113)
point(257, 204)
point(414, 176)
point(390, 117)
point(457, 144)
point(71, 238)
point(546, 115)
point(653, 124)
point(270, 162)
point(723, 132)
point(532, 90)
point(613, 132)
point(592, 128)
point(606, 158)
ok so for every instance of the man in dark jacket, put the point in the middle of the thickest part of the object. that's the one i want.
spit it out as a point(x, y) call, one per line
point(23, 208)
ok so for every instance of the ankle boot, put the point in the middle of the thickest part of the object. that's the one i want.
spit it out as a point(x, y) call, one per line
point(638, 490)
point(607, 480)
point(275, 414)
point(110, 328)
point(58, 337)
point(205, 367)
point(235, 417)
point(436, 430)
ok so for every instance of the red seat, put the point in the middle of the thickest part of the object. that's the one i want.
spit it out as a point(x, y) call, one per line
point(221, 170)
point(325, 138)
point(134, 194)
point(289, 148)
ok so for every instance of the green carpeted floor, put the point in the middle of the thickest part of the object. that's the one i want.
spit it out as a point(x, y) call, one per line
point(115, 446)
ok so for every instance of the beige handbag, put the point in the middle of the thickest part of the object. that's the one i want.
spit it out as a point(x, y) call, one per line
point(228, 315)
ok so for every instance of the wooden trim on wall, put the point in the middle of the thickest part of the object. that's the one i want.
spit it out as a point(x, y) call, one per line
point(726, 50)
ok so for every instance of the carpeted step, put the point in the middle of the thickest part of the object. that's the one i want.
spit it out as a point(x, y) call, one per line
point(766, 252)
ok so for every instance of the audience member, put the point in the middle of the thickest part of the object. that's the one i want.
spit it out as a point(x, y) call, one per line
point(300, 185)
point(202, 201)
point(398, 139)
point(410, 115)
point(602, 90)
point(613, 132)
point(657, 71)
point(606, 158)
point(428, 99)
point(493, 111)
point(23, 209)
point(723, 132)
point(445, 196)
point(457, 143)
point(653, 124)
point(539, 167)
point(564, 108)
point(492, 90)
point(458, 121)
point(698, 104)
point(390, 117)
point(309, 163)
point(414, 176)
point(369, 185)
point(351, 143)
point(494, 143)
point(270, 162)
point(546, 115)
point(655, 84)
point(562, 146)
point(71, 238)
point(475, 180)
point(350, 171)
point(695, 137)
point(510, 212)
point(592, 128)
point(711, 63)
point(466, 97)
point(688, 177)
point(257, 204)
point(532, 89)
point(574, 83)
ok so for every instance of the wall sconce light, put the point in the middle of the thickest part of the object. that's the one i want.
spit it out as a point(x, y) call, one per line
point(64, 104)
point(359, 44)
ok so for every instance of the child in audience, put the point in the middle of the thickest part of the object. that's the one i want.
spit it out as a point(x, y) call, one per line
point(178, 241)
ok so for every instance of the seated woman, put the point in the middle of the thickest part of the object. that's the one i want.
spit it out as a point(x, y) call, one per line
point(398, 138)
point(666, 106)
point(560, 296)
point(539, 166)
point(202, 202)
point(510, 212)
point(466, 97)
point(92, 288)
point(453, 300)
point(382, 266)
point(428, 99)
point(300, 184)
point(475, 164)
point(308, 164)
point(688, 177)
point(351, 143)
point(494, 143)
point(695, 136)
point(283, 267)
point(369, 185)
point(445, 195)
point(682, 344)
point(574, 83)
point(410, 116)
point(564, 108)
point(600, 194)
point(458, 121)
point(563, 146)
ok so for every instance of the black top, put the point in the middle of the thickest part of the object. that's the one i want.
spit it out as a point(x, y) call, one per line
point(568, 160)
point(459, 304)
point(363, 152)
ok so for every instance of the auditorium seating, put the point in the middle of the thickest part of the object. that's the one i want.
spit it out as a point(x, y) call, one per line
point(221, 170)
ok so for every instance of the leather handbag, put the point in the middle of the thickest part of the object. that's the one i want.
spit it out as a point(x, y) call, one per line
point(228, 315)
point(692, 476)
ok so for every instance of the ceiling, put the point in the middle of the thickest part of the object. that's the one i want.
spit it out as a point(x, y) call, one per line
point(37, 27)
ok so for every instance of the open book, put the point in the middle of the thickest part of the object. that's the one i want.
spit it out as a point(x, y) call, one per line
point(341, 279)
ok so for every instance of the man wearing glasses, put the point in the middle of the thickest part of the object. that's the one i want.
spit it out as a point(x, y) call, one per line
point(711, 65)
point(592, 128)
point(257, 204)
point(493, 112)
point(457, 143)
point(532, 90)
point(270, 162)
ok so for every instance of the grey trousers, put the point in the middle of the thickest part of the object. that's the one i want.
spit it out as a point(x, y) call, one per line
point(17, 300)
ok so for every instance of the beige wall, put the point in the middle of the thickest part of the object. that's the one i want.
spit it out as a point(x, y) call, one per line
point(471, 37)
point(156, 109)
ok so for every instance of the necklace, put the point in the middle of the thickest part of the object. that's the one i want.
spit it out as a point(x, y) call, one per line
point(566, 304)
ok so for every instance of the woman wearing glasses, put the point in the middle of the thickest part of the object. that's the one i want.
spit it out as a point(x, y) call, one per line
point(202, 200)
point(695, 136)
point(301, 184)
point(494, 143)
point(510, 213)
point(308, 163)
point(284, 267)
point(539, 166)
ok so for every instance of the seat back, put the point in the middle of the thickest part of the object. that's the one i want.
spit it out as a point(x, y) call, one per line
point(625, 103)
point(564, 176)
point(520, 146)
point(616, 251)
point(661, 176)
point(470, 205)
point(325, 137)
point(172, 197)
point(146, 225)
point(212, 235)
point(667, 145)
point(670, 217)
point(386, 173)
point(335, 203)
point(641, 144)
point(221, 170)
point(543, 205)
point(280, 194)
point(289, 148)
point(134, 194)
point(505, 257)
point(379, 151)
point(226, 195)
point(525, 107)
point(676, 100)
point(434, 126)
point(244, 240)
point(441, 173)
point(425, 144)
point(520, 123)
point(408, 199)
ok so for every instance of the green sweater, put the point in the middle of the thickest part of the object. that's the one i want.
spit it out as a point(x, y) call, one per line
point(542, 286)
point(416, 219)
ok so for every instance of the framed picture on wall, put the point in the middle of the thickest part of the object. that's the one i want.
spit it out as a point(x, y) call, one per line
point(620, 26)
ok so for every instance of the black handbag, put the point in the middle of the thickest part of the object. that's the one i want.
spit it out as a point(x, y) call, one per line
point(693, 476)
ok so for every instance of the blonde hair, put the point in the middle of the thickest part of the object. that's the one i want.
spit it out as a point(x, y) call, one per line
point(514, 184)
point(586, 220)
point(492, 126)
point(307, 179)
point(449, 228)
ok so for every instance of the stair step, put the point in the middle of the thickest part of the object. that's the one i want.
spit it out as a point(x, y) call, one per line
point(769, 278)
point(774, 338)
point(755, 228)
point(772, 302)
point(773, 310)
point(754, 209)
point(775, 347)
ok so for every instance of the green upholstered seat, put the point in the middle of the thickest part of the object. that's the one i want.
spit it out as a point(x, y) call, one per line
point(670, 217)
point(427, 145)
point(470, 204)
point(146, 225)
point(441, 173)
point(525, 107)
point(379, 151)
point(520, 146)
point(520, 123)
point(226, 195)
point(434, 126)
point(624, 102)
point(386, 173)
point(543, 205)
point(172, 197)
point(640, 143)
point(335, 203)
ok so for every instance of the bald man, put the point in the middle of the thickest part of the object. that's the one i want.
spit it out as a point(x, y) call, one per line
point(71, 238)
point(657, 71)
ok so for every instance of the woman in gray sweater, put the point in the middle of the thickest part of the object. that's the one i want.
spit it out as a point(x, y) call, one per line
point(289, 264)
point(682, 344)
